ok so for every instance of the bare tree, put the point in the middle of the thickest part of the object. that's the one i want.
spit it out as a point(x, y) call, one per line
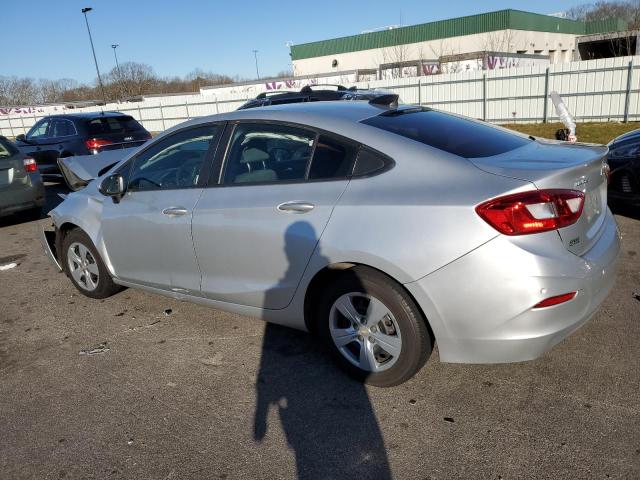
point(499, 41)
point(18, 91)
point(132, 79)
point(626, 10)
point(397, 54)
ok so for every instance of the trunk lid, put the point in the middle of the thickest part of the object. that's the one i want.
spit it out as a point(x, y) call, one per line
point(10, 169)
point(549, 164)
point(122, 131)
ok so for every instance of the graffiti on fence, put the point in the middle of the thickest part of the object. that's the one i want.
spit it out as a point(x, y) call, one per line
point(31, 111)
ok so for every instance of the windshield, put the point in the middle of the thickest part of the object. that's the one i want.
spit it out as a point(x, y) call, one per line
point(103, 125)
point(6, 149)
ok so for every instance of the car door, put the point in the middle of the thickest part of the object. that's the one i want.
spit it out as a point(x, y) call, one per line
point(147, 234)
point(255, 231)
point(37, 145)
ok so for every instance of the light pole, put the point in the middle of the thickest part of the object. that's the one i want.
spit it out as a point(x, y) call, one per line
point(114, 46)
point(255, 55)
point(84, 11)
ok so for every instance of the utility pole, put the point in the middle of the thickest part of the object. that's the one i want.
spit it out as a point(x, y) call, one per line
point(255, 55)
point(84, 11)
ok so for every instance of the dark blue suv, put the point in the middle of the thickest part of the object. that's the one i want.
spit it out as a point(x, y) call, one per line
point(79, 134)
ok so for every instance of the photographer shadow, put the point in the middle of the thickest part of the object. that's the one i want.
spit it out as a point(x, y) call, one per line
point(327, 417)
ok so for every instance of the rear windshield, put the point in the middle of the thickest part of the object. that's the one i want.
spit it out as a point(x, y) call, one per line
point(7, 149)
point(450, 133)
point(102, 125)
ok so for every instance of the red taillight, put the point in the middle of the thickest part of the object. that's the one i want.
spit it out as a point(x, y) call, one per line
point(550, 302)
point(96, 143)
point(532, 212)
point(30, 165)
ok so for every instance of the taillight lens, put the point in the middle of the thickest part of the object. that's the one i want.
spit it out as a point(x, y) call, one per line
point(96, 143)
point(532, 212)
point(557, 300)
point(30, 165)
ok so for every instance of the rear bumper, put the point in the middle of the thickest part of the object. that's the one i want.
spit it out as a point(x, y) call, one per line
point(480, 306)
point(24, 196)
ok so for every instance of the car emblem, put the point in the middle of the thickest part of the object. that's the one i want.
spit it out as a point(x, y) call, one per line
point(128, 139)
point(581, 182)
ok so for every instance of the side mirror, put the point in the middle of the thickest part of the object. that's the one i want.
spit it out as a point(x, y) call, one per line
point(112, 186)
point(21, 138)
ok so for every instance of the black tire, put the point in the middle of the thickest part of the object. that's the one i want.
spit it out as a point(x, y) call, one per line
point(105, 286)
point(416, 338)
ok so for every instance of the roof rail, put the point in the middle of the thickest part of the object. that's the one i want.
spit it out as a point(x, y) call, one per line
point(387, 100)
point(273, 92)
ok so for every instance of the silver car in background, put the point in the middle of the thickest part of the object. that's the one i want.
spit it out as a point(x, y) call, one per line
point(380, 228)
point(21, 187)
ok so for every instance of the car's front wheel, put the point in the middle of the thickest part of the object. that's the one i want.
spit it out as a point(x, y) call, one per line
point(374, 328)
point(85, 268)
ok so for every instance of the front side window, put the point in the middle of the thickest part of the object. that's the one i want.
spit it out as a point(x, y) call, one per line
point(268, 153)
point(39, 130)
point(173, 163)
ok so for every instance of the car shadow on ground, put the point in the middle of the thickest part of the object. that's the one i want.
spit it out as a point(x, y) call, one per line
point(326, 416)
point(53, 199)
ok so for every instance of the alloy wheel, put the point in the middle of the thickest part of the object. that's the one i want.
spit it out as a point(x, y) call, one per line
point(365, 331)
point(83, 266)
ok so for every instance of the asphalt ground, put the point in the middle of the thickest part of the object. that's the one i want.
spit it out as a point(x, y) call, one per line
point(140, 386)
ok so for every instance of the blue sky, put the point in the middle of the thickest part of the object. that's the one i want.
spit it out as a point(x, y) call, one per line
point(48, 38)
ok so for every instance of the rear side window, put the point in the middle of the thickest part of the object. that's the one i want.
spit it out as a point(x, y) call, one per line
point(105, 125)
point(369, 162)
point(452, 134)
point(332, 159)
point(264, 153)
point(62, 128)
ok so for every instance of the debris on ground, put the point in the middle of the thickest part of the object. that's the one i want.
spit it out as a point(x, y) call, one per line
point(8, 266)
point(636, 295)
point(97, 350)
point(168, 312)
point(214, 361)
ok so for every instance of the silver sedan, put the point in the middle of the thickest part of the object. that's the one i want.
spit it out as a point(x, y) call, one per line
point(382, 229)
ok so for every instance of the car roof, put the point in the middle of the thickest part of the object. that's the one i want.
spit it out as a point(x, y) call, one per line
point(632, 135)
point(88, 115)
point(306, 112)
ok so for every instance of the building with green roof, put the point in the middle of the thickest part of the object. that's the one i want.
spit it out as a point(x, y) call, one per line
point(506, 31)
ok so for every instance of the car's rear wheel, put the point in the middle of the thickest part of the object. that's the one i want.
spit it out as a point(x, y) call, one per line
point(85, 268)
point(374, 328)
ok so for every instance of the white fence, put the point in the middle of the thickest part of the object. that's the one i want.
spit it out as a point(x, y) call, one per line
point(594, 90)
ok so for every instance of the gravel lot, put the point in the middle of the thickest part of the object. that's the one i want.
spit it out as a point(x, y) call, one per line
point(140, 386)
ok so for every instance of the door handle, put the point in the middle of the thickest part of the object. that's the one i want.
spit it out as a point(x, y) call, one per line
point(175, 211)
point(296, 206)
